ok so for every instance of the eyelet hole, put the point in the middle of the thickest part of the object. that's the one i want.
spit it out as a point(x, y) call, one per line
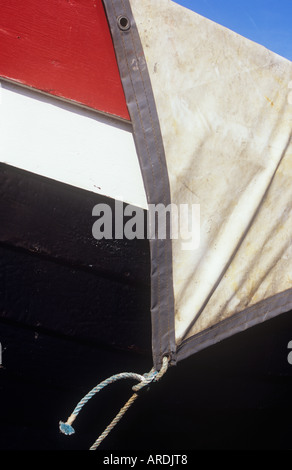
point(123, 23)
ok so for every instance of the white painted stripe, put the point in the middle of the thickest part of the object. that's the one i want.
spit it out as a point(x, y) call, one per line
point(69, 144)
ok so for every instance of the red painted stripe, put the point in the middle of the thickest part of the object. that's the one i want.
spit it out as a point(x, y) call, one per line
point(62, 47)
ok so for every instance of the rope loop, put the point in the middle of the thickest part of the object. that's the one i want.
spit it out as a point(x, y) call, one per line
point(152, 376)
point(143, 381)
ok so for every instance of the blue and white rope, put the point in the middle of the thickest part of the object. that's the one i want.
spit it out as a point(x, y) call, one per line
point(143, 381)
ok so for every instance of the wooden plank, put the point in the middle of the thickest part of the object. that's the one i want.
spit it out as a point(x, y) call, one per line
point(55, 220)
point(63, 48)
point(68, 144)
point(64, 300)
point(56, 277)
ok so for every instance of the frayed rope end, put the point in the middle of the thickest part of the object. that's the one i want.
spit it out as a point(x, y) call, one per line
point(66, 428)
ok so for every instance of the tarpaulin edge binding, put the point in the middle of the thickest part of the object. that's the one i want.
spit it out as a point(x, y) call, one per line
point(237, 323)
point(148, 140)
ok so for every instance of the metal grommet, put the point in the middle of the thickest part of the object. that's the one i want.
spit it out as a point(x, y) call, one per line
point(123, 23)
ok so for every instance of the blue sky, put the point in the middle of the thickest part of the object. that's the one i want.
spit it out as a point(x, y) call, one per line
point(267, 22)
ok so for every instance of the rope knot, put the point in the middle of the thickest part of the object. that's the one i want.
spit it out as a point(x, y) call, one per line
point(143, 381)
point(152, 376)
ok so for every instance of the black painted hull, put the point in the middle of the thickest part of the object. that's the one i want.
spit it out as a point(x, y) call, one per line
point(75, 311)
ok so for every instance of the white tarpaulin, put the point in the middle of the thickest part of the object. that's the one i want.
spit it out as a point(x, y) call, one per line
point(225, 121)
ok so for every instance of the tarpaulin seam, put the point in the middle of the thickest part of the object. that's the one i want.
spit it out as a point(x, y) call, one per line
point(228, 320)
point(163, 337)
point(158, 151)
point(147, 148)
point(235, 319)
point(151, 163)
